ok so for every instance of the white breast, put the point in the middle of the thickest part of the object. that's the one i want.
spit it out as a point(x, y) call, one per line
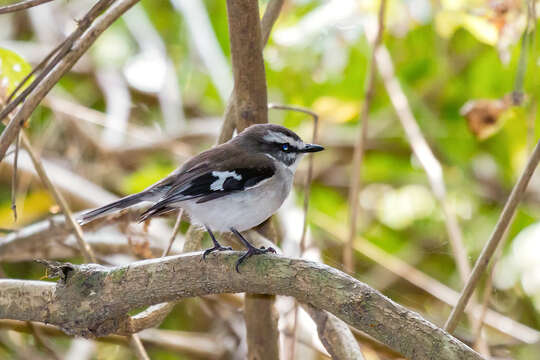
point(246, 209)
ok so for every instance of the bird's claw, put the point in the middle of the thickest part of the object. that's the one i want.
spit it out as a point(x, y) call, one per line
point(215, 248)
point(253, 251)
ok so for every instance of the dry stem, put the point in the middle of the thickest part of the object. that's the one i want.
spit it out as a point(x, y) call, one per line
point(490, 247)
point(358, 156)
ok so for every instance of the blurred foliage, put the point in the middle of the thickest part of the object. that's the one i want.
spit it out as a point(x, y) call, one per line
point(13, 69)
point(445, 54)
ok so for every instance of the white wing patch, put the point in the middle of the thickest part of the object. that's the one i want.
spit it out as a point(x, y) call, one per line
point(279, 137)
point(221, 177)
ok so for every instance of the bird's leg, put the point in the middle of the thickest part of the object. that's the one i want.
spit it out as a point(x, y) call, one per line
point(251, 250)
point(217, 245)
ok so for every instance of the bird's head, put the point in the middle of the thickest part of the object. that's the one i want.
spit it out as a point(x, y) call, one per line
point(276, 142)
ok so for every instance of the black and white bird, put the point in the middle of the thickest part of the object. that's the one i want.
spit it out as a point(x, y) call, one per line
point(232, 187)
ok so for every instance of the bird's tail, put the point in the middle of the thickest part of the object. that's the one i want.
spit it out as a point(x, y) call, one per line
point(114, 206)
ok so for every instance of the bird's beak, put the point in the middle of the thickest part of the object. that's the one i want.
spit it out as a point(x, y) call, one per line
point(312, 148)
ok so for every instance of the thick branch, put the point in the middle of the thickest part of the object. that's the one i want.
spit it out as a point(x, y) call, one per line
point(111, 292)
point(335, 335)
point(250, 104)
point(248, 64)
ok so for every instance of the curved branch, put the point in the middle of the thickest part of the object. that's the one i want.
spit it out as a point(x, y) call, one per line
point(110, 292)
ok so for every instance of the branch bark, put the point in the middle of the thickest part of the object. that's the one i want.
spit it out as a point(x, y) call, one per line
point(335, 335)
point(199, 345)
point(248, 65)
point(22, 5)
point(110, 292)
point(249, 102)
point(489, 248)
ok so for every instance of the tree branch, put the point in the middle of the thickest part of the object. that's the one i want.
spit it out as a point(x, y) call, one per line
point(270, 16)
point(248, 65)
point(335, 335)
point(358, 155)
point(504, 221)
point(21, 5)
point(200, 345)
point(110, 292)
point(249, 102)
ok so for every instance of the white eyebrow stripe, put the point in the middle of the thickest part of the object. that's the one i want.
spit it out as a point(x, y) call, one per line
point(279, 137)
point(221, 177)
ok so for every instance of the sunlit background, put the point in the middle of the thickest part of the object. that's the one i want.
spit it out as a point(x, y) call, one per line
point(152, 90)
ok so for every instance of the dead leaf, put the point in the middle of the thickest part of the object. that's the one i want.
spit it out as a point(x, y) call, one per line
point(484, 115)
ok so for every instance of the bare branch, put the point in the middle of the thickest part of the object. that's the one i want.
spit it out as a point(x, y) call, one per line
point(248, 65)
point(429, 162)
point(83, 245)
point(14, 179)
point(112, 292)
point(21, 5)
point(358, 156)
point(200, 345)
point(335, 335)
point(271, 14)
point(249, 102)
point(425, 156)
point(307, 191)
point(504, 221)
point(62, 65)
point(176, 228)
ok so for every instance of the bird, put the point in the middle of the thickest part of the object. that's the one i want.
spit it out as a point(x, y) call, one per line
point(231, 187)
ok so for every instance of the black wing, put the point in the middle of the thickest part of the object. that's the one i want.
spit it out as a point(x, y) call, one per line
point(212, 185)
point(220, 183)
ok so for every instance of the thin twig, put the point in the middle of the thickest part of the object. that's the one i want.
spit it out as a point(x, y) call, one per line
point(271, 14)
point(43, 341)
point(425, 156)
point(517, 99)
point(488, 288)
point(176, 228)
point(21, 5)
point(517, 94)
point(72, 49)
point(200, 345)
point(60, 200)
point(307, 184)
point(14, 179)
point(39, 66)
point(61, 51)
point(307, 190)
point(490, 247)
point(358, 156)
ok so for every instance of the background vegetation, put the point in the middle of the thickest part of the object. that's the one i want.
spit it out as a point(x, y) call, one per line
point(147, 96)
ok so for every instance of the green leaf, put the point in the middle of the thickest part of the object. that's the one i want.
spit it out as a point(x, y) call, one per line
point(13, 69)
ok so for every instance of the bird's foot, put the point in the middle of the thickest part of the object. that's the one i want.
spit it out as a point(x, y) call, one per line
point(253, 251)
point(215, 248)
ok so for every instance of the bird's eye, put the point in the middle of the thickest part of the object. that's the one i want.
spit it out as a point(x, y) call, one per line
point(285, 147)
